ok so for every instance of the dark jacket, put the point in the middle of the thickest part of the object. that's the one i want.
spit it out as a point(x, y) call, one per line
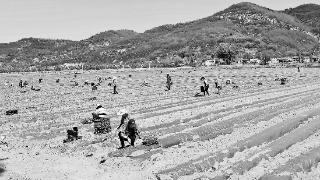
point(131, 129)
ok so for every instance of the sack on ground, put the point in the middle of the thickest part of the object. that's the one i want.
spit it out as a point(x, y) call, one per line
point(150, 141)
point(12, 112)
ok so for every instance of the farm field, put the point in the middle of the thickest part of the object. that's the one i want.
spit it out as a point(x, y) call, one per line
point(260, 130)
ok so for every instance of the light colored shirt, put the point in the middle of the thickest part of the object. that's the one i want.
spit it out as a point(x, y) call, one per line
point(123, 126)
point(114, 82)
point(101, 112)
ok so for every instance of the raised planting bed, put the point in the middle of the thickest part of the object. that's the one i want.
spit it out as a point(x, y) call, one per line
point(281, 144)
point(267, 135)
point(212, 130)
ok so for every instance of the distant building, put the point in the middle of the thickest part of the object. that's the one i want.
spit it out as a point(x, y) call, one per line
point(209, 63)
point(239, 60)
point(73, 65)
point(306, 59)
point(296, 58)
point(285, 60)
point(121, 50)
point(273, 62)
point(91, 47)
point(219, 61)
point(255, 61)
point(314, 59)
point(32, 68)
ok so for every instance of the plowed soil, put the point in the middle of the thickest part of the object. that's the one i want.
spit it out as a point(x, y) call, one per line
point(259, 130)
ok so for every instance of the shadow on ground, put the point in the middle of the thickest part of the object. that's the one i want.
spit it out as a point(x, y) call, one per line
point(2, 169)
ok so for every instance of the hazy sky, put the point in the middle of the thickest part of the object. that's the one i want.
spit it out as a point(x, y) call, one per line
point(80, 19)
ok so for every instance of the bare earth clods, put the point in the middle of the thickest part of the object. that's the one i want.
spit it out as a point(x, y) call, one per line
point(261, 130)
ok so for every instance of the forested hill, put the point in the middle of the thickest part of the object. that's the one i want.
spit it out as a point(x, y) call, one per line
point(243, 30)
point(309, 14)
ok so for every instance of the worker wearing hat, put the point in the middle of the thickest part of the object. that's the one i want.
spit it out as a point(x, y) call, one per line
point(100, 111)
point(101, 120)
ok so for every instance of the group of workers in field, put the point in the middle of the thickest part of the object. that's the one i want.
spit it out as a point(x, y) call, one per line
point(25, 83)
point(128, 131)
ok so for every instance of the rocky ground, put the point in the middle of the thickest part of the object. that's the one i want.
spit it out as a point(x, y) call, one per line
point(260, 130)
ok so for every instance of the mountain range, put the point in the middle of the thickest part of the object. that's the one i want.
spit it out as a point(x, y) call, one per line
point(243, 30)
